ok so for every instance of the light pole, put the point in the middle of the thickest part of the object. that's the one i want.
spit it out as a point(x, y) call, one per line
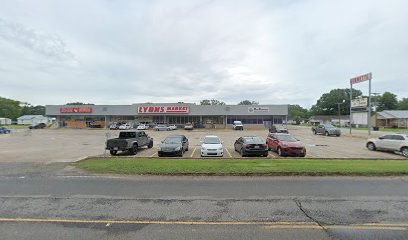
point(338, 108)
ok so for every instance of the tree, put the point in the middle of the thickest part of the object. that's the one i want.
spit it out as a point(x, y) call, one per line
point(211, 102)
point(247, 102)
point(9, 108)
point(298, 113)
point(403, 104)
point(387, 101)
point(328, 102)
point(28, 109)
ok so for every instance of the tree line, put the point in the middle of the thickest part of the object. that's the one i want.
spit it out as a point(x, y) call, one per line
point(13, 109)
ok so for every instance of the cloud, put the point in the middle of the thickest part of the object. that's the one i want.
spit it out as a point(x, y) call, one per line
point(158, 51)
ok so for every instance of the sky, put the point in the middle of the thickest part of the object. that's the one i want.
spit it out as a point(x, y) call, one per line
point(272, 52)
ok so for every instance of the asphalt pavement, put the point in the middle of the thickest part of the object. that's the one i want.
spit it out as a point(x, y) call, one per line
point(51, 204)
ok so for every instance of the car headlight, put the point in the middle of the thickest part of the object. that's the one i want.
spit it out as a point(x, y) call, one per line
point(203, 148)
point(220, 148)
point(178, 148)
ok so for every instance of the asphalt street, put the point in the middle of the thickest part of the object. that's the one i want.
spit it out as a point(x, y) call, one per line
point(51, 204)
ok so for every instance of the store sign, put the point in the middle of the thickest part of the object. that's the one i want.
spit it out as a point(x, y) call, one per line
point(359, 103)
point(163, 109)
point(258, 109)
point(76, 110)
point(361, 78)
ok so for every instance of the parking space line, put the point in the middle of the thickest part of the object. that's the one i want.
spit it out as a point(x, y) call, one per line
point(229, 154)
point(192, 154)
point(153, 154)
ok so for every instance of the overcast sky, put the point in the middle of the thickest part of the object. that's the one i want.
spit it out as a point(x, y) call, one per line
point(124, 52)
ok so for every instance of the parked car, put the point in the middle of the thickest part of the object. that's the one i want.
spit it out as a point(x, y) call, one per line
point(114, 126)
point(162, 127)
point(173, 145)
point(212, 146)
point(173, 127)
point(129, 141)
point(278, 128)
point(37, 126)
point(390, 142)
point(326, 129)
point(188, 126)
point(285, 145)
point(142, 127)
point(251, 145)
point(4, 130)
point(125, 126)
point(237, 125)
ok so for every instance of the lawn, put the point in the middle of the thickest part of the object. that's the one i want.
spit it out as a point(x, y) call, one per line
point(244, 167)
point(14, 126)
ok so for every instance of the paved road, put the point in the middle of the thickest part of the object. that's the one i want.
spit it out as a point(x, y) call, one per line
point(51, 204)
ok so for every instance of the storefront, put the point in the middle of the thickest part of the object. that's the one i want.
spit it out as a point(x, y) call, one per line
point(83, 116)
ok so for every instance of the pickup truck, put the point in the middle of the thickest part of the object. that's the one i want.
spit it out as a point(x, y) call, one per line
point(326, 129)
point(129, 141)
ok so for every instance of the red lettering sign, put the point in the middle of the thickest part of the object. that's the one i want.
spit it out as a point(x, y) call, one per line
point(361, 78)
point(163, 110)
point(76, 110)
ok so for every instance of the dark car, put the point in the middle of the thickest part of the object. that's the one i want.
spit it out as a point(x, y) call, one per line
point(326, 129)
point(251, 146)
point(37, 126)
point(174, 145)
point(285, 145)
point(4, 130)
point(278, 128)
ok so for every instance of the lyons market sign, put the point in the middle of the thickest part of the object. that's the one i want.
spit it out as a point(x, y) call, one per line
point(76, 110)
point(163, 109)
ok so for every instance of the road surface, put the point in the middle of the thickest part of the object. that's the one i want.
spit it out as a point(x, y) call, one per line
point(50, 204)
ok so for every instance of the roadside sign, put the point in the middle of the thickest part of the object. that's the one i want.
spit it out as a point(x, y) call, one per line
point(359, 103)
point(361, 78)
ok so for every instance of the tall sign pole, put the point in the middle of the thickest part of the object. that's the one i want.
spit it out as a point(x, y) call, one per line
point(359, 79)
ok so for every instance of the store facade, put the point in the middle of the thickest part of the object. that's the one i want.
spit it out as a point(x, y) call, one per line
point(83, 116)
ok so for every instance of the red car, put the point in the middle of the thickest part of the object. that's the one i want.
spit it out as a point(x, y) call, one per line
point(285, 145)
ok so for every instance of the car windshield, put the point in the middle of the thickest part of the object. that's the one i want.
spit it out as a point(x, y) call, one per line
point(212, 140)
point(287, 138)
point(127, 135)
point(328, 126)
point(253, 140)
point(172, 140)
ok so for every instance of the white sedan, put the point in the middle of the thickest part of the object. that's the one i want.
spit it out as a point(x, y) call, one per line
point(212, 146)
point(391, 142)
point(142, 127)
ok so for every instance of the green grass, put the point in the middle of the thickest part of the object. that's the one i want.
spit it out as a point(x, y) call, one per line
point(14, 126)
point(244, 167)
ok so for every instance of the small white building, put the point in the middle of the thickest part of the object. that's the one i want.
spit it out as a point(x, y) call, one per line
point(5, 121)
point(32, 120)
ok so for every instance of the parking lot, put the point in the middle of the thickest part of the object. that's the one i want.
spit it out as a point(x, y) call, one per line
point(69, 145)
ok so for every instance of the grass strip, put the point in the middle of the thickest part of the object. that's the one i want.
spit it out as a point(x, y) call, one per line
point(261, 167)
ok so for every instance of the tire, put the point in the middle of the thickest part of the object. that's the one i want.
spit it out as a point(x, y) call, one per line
point(242, 153)
point(280, 153)
point(404, 151)
point(134, 149)
point(113, 152)
point(186, 149)
point(150, 144)
point(371, 146)
point(327, 134)
point(314, 131)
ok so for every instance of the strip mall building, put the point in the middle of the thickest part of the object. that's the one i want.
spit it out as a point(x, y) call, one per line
point(171, 113)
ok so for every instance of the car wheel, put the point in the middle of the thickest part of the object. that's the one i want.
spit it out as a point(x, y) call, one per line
point(150, 144)
point(327, 134)
point(404, 151)
point(371, 146)
point(242, 153)
point(314, 131)
point(186, 149)
point(134, 149)
point(280, 153)
point(113, 152)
